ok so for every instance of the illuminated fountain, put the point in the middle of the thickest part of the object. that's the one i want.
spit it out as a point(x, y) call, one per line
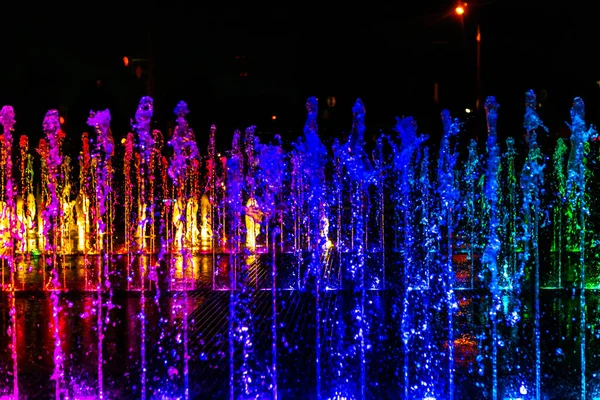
point(491, 249)
point(581, 134)
point(386, 265)
point(185, 158)
point(253, 212)
point(15, 232)
point(103, 152)
point(51, 222)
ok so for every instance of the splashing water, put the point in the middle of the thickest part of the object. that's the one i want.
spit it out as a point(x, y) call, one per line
point(449, 193)
point(403, 164)
point(581, 134)
point(309, 157)
point(7, 119)
point(490, 254)
point(431, 265)
point(51, 216)
point(185, 152)
point(104, 150)
point(532, 180)
point(143, 117)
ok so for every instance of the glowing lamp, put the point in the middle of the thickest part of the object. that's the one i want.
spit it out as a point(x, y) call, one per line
point(273, 117)
point(460, 10)
point(126, 61)
point(61, 120)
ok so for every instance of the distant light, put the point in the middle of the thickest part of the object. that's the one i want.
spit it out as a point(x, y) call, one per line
point(273, 117)
point(523, 389)
point(468, 110)
point(61, 120)
point(243, 74)
point(126, 61)
point(460, 10)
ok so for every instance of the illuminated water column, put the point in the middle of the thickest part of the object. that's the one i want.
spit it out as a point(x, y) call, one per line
point(338, 222)
point(309, 201)
point(252, 219)
point(178, 223)
point(208, 208)
point(183, 173)
point(249, 371)
point(104, 150)
point(21, 225)
point(185, 153)
point(470, 216)
point(141, 220)
point(377, 242)
point(490, 254)
point(192, 232)
point(233, 194)
point(153, 165)
point(25, 205)
point(166, 209)
point(51, 216)
point(405, 152)
point(448, 193)
point(41, 197)
point(559, 210)
point(360, 175)
point(193, 206)
point(531, 185)
point(145, 145)
point(297, 205)
point(27, 196)
point(68, 208)
point(253, 211)
point(581, 134)
point(206, 224)
point(7, 119)
point(271, 175)
point(83, 199)
point(509, 228)
point(128, 200)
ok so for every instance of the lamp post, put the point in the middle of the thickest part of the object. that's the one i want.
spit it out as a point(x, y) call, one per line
point(460, 11)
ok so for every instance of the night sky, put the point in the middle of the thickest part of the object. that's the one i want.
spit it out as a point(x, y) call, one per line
point(390, 56)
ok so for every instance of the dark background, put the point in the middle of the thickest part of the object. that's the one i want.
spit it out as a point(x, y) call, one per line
point(238, 65)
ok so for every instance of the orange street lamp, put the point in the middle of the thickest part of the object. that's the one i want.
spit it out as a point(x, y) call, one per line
point(460, 10)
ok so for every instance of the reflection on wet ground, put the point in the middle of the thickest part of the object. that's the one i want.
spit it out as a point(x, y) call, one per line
point(216, 343)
